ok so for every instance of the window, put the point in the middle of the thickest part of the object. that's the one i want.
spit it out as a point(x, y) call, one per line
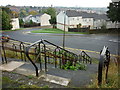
point(84, 20)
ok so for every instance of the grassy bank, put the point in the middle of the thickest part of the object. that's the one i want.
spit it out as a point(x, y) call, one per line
point(112, 78)
point(56, 31)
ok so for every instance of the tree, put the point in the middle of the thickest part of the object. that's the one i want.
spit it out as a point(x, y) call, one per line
point(15, 14)
point(23, 13)
point(51, 11)
point(79, 26)
point(21, 22)
point(114, 11)
point(33, 12)
point(7, 10)
point(6, 21)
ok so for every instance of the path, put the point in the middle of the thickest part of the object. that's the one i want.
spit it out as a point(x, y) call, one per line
point(69, 78)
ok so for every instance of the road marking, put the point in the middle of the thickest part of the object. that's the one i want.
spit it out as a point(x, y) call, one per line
point(116, 41)
point(82, 50)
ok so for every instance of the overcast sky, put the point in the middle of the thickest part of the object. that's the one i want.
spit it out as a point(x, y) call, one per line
point(67, 3)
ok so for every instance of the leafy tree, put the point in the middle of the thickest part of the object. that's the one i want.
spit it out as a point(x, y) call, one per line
point(6, 21)
point(51, 11)
point(114, 11)
point(15, 14)
point(7, 10)
point(79, 26)
point(21, 22)
point(33, 12)
point(23, 13)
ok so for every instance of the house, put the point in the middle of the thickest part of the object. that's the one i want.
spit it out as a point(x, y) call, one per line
point(15, 23)
point(71, 19)
point(43, 19)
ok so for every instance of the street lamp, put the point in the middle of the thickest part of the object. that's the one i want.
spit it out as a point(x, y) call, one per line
point(64, 30)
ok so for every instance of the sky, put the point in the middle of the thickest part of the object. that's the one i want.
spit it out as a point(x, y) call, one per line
point(66, 3)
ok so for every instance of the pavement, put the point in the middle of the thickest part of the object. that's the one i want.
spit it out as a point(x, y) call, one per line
point(69, 78)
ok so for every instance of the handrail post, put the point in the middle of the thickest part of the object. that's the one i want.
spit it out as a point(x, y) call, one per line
point(104, 61)
point(27, 54)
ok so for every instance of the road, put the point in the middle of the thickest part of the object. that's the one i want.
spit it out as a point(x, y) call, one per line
point(93, 42)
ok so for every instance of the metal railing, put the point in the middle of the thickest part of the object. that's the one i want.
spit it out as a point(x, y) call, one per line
point(47, 52)
point(15, 46)
point(42, 52)
point(85, 57)
point(103, 64)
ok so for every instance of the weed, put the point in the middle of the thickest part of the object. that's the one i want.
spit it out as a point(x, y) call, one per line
point(30, 76)
point(112, 78)
point(78, 66)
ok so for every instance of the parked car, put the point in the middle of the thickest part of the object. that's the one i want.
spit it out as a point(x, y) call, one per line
point(4, 38)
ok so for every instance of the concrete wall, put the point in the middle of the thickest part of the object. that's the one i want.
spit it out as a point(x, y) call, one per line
point(15, 23)
point(44, 19)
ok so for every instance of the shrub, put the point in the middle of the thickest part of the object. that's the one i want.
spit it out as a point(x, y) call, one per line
point(77, 66)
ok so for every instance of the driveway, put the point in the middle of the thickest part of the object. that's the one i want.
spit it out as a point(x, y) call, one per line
point(93, 42)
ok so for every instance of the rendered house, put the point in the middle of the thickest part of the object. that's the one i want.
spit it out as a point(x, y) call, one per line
point(71, 18)
point(15, 23)
point(43, 19)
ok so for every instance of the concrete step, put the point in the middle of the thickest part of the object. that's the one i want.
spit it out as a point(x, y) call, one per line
point(58, 76)
point(10, 66)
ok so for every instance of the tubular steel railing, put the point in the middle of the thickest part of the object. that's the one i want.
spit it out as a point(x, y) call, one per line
point(15, 46)
point(103, 64)
point(47, 52)
point(85, 58)
point(42, 52)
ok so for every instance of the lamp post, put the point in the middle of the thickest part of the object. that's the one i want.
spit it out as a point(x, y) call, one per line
point(64, 30)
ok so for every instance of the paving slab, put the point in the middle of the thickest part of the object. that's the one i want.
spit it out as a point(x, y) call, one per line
point(56, 79)
point(26, 69)
point(10, 66)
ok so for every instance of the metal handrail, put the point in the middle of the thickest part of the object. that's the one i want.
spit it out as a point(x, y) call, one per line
point(87, 57)
point(13, 45)
point(65, 55)
point(103, 62)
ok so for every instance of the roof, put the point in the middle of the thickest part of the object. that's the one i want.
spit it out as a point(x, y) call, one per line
point(73, 13)
point(38, 15)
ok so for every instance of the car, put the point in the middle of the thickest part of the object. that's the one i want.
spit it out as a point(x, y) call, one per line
point(4, 38)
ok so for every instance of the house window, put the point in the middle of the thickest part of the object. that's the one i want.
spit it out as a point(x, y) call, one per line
point(84, 20)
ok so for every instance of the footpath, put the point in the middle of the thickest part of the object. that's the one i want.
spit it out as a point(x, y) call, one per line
point(54, 77)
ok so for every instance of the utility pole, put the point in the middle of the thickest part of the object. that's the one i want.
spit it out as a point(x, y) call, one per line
point(64, 30)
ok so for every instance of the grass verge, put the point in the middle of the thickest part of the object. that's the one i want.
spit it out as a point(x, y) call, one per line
point(8, 83)
point(112, 78)
point(56, 31)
